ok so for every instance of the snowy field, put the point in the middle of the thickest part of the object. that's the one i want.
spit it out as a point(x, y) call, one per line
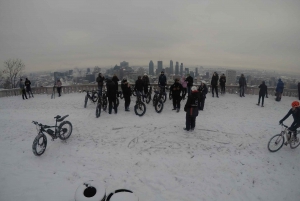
point(225, 158)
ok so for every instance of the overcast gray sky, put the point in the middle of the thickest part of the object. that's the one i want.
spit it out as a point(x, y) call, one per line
point(48, 35)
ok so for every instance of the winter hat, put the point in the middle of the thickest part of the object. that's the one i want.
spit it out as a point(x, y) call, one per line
point(194, 88)
point(145, 74)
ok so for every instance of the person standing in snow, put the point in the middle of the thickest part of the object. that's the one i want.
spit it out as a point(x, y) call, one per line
point(295, 111)
point(279, 89)
point(176, 89)
point(115, 79)
point(190, 82)
point(202, 89)
point(28, 87)
point(214, 84)
point(243, 84)
point(126, 89)
point(191, 109)
point(184, 86)
point(22, 87)
point(262, 93)
point(58, 85)
point(100, 80)
point(222, 83)
point(139, 87)
point(162, 81)
point(146, 83)
point(111, 95)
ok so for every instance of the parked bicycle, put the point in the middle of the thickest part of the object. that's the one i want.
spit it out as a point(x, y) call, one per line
point(158, 99)
point(62, 131)
point(90, 95)
point(277, 141)
point(148, 95)
point(102, 104)
point(140, 107)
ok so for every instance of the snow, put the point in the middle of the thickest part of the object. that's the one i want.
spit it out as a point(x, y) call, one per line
point(225, 158)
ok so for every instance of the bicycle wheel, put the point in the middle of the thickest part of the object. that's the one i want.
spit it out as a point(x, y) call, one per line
point(294, 143)
point(39, 144)
point(95, 97)
point(98, 110)
point(85, 101)
point(140, 109)
point(148, 98)
point(275, 143)
point(159, 106)
point(64, 130)
point(154, 99)
point(104, 104)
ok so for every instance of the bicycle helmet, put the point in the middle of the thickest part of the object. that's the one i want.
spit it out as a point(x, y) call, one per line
point(295, 104)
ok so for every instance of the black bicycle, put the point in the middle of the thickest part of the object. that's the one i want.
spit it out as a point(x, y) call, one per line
point(62, 131)
point(148, 95)
point(158, 100)
point(90, 95)
point(140, 107)
point(102, 103)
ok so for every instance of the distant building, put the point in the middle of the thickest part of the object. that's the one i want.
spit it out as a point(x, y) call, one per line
point(177, 68)
point(171, 67)
point(159, 66)
point(181, 69)
point(90, 78)
point(196, 72)
point(230, 77)
point(151, 68)
point(186, 71)
point(88, 70)
point(124, 64)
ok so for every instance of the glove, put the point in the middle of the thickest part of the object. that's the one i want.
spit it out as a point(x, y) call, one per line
point(280, 122)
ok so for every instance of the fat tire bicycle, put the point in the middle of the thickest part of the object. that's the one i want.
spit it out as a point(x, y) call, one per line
point(102, 103)
point(158, 100)
point(276, 142)
point(140, 107)
point(148, 95)
point(90, 95)
point(63, 131)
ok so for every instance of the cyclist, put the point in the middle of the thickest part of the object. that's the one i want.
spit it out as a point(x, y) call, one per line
point(162, 81)
point(139, 86)
point(295, 111)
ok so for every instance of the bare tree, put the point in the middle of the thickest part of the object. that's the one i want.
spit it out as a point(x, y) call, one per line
point(13, 68)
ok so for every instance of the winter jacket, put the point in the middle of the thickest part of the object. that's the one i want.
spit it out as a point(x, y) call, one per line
point(111, 90)
point(202, 91)
point(295, 113)
point(146, 80)
point(222, 80)
point(100, 80)
point(125, 89)
point(242, 81)
point(58, 83)
point(214, 80)
point(176, 89)
point(183, 82)
point(280, 86)
point(27, 84)
point(263, 89)
point(115, 79)
point(191, 106)
point(139, 85)
point(189, 81)
point(162, 80)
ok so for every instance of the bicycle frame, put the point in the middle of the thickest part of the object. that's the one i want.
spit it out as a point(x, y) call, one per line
point(41, 129)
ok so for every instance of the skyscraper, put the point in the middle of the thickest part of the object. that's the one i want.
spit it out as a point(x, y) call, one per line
point(171, 67)
point(151, 68)
point(196, 72)
point(181, 69)
point(230, 77)
point(159, 66)
point(177, 68)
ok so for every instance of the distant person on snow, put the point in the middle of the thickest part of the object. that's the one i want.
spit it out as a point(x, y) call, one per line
point(279, 89)
point(146, 83)
point(111, 95)
point(176, 89)
point(115, 79)
point(126, 90)
point(162, 81)
point(190, 82)
point(243, 84)
point(202, 89)
point(58, 85)
point(191, 109)
point(214, 84)
point(222, 82)
point(262, 93)
point(28, 87)
point(100, 80)
point(184, 86)
point(295, 111)
point(139, 87)
point(22, 87)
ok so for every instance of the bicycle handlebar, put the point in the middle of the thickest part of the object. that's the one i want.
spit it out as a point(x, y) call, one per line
point(284, 125)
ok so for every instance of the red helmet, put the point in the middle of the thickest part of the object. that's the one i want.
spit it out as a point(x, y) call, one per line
point(295, 104)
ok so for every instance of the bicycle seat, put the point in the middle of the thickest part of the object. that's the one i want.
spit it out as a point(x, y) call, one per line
point(62, 118)
point(57, 117)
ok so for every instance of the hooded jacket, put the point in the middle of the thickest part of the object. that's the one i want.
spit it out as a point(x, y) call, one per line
point(191, 106)
point(263, 89)
point(280, 86)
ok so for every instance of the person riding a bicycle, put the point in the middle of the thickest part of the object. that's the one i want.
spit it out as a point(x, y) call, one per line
point(295, 111)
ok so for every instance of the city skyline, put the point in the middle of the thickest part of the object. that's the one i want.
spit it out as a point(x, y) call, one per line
point(53, 35)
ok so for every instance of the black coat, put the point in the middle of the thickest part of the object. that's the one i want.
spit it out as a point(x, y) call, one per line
point(222, 80)
point(189, 81)
point(111, 90)
point(115, 79)
point(27, 84)
point(162, 80)
point(263, 90)
point(126, 90)
point(100, 81)
point(176, 89)
point(191, 106)
point(146, 80)
point(139, 85)
point(214, 80)
point(202, 91)
point(242, 81)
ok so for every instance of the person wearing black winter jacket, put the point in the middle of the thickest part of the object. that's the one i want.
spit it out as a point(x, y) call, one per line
point(111, 95)
point(146, 83)
point(202, 95)
point(176, 89)
point(262, 93)
point(243, 84)
point(191, 109)
point(100, 80)
point(126, 90)
point(222, 83)
point(115, 79)
point(139, 86)
point(190, 82)
point(214, 84)
point(28, 87)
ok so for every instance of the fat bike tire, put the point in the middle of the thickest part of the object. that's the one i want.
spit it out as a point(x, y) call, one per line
point(98, 110)
point(39, 144)
point(85, 101)
point(65, 130)
point(159, 106)
point(140, 109)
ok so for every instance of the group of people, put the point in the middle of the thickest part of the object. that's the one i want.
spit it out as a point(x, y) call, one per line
point(26, 88)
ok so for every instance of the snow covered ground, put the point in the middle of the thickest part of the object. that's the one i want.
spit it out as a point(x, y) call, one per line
point(225, 158)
